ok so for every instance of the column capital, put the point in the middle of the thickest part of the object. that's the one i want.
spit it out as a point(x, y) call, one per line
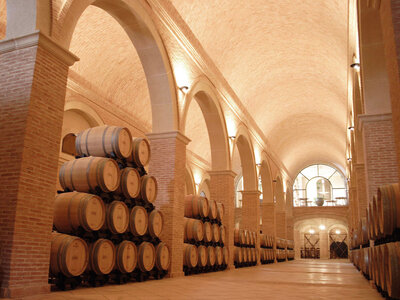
point(251, 193)
point(363, 119)
point(167, 135)
point(38, 39)
point(222, 172)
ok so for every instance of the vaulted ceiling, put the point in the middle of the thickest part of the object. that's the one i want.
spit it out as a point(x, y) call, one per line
point(287, 62)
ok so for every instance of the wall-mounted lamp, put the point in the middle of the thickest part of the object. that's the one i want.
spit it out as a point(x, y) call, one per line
point(232, 137)
point(312, 231)
point(258, 165)
point(349, 159)
point(351, 128)
point(184, 89)
point(337, 231)
point(355, 66)
point(322, 227)
point(274, 180)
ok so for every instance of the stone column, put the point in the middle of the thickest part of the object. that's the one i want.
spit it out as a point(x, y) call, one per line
point(222, 190)
point(167, 164)
point(359, 170)
point(251, 214)
point(297, 244)
point(269, 220)
point(289, 228)
point(33, 76)
point(324, 244)
point(281, 224)
point(380, 151)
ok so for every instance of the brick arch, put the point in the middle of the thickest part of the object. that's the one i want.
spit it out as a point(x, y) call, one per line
point(266, 179)
point(138, 25)
point(205, 186)
point(86, 111)
point(247, 159)
point(205, 94)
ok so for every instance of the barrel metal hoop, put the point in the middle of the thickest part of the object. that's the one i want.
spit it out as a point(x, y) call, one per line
point(103, 139)
point(86, 141)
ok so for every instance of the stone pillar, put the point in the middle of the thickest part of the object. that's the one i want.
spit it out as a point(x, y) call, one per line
point(324, 244)
point(281, 224)
point(167, 164)
point(289, 228)
point(297, 244)
point(380, 152)
point(33, 76)
point(251, 214)
point(268, 218)
point(222, 189)
point(359, 170)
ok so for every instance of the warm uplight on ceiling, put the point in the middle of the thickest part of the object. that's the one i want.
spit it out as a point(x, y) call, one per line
point(322, 227)
point(337, 231)
point(312, 231)
point(355, 66)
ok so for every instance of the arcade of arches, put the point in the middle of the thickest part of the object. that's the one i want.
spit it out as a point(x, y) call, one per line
point(291, 122)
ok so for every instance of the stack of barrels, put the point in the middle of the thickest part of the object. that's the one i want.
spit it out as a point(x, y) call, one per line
point(290, 249)
point(376, 242)
point(204, 236)
point(280, 249)
point(246, 254)
point(267, 254)
point(106, 228)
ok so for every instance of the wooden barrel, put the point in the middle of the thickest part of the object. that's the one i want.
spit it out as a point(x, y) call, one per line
point(69, 255)
point(219, 256)
point(207, 232)
point(102, 257)
point(117, 217)
point(193, 230)
point(126, 258)
point(212, 211)
point(225, 253)
point(238, 255)
point(140, 155)
point(148, 188)
point(370, 262)
point(392, 266)
point(244, 255)
point(162, 257)
point(249, 254)
point(388, 201)
point(251, 238)
point(376, 265)
point(383, 268)
point(104, 141)
point(366, 260)
point(215, 233)
point(247, 237)
point(375, 214)
point(89, 173)
point(253, 254)
point(220, 211)
point(364, 231)
point(190, 256)
point(138, 221)
point(129, 183)
point(156, 223)
point(211, 256)
point(196, 206)
point(74, 210)
point(146, 256)
point(222, 234)
point(202, 259)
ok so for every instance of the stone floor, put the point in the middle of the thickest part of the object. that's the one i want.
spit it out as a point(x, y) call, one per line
point(300, 279)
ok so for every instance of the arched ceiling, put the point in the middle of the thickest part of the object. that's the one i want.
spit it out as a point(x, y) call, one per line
point(110, 65)
point(3, 19)
point(287, 62)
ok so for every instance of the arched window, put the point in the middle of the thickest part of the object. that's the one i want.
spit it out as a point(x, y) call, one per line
point(239, 189)
point(320, 185)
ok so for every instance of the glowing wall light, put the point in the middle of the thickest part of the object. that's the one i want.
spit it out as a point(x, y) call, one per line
point(322, 227)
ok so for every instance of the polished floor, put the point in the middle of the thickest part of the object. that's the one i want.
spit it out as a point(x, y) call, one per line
point(300, 279)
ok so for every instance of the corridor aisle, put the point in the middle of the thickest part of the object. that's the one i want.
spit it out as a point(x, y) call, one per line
point(300, 279)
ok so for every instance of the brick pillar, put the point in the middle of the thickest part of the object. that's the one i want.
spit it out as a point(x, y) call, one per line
point(222, 190)
point(281, 224)
point(289, 228)
point(324, 244)
point(380, 152)
point(251, 213)
point(33, 76)
point(268, 218)
point(167, 164)
point(353, 202)
point(359, 170)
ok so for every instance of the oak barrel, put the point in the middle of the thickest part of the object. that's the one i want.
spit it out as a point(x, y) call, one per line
point(211, 256)
point(193, 230)
point(219, 255)
point(117, 217)
point(212, 211)
point(146, 256)
point(162, 257)
point(202, 253)
point(73, 210)
point(215, 233)
point(207, 232)
point(196, 206)
point(156, 223)
point(69, 255)
point(376, 219)
point(222, 233)
point(238, 255)
point(89, 173)
point(140, 155)
point(239, 237)
point(249, 255)
point(247, 237)
point(225, 252)
point(104, 141)
point(102, 257)
point(126, 258)
point(129, 185)
point(148, 188)
point(138, 221)
point(244, 254)
point(190, 256)
point(392, 266)
point(388, 201)
point(220, 211)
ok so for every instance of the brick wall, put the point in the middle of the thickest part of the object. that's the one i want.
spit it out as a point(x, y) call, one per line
point(280, 224)
point(361, 193)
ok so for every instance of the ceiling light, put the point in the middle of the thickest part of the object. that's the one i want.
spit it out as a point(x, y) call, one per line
point(322, 227)
point(337, 231)
point(349, 159)
point(184, 89)
point(355, 66)
point(232, 137)
point(312, 231)
point(258, 165)
point(351, 128)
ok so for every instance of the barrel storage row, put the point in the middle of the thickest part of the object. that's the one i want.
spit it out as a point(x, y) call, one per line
point(267, 254)
point(246, 254)
point(290, 249)
point(376, 242)
point(281, 249)
point(106, 228)
point(204, 236)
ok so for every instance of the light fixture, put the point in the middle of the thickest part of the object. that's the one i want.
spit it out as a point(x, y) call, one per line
point(355, 66)
point(312, 231)
point(351, 128)
point(337, 231)
point(274, 180)
point(232, 137)
point(258, 165)
point(322, 227)
point(349, 159)
point(184, 89)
